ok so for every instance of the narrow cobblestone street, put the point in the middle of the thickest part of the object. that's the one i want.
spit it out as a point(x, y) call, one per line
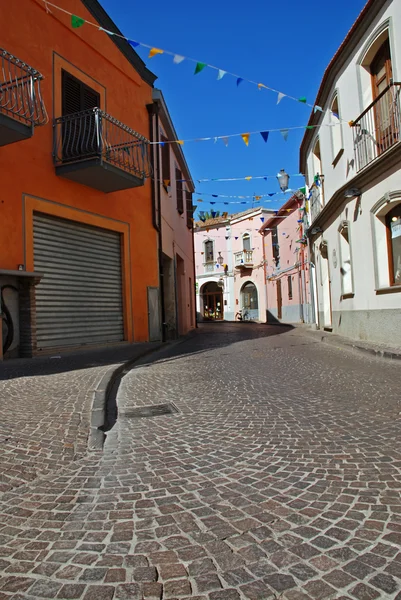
point(279, 476)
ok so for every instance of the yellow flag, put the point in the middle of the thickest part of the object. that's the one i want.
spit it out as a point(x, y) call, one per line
point(261, 85)
point(247, 178)
point(181, 142)
point(154, 51)
point(245, 137)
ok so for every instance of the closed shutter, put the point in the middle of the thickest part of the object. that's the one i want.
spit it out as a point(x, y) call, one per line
point(76, 96)
point(179, 191)
point(189, 210)
point(79, 299)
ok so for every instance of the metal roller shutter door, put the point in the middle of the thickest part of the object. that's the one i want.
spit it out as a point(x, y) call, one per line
point(79, 299)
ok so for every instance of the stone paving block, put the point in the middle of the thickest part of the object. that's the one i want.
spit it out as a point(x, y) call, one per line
point(71, 591)
point(99, 592)
point(152, 591)
point(128, 591)
point(176, 588)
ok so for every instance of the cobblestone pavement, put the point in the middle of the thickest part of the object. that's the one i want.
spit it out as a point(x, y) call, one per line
point(279, 477)
point(45, 410)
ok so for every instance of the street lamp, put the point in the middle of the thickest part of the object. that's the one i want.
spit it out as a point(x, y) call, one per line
point(283, 178)
point(220, 259)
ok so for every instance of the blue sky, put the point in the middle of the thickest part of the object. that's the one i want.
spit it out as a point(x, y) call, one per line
point(285, 44)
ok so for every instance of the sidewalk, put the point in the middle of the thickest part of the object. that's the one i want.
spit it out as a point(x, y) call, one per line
point(46, 408)
point(376, 350)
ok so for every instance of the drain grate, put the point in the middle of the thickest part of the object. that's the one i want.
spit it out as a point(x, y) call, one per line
point(157, 410)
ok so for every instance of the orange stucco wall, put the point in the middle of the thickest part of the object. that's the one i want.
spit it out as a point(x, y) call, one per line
point(48, 43)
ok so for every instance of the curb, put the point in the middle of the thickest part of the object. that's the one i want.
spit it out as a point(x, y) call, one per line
point(350, 344)
point(100, 423)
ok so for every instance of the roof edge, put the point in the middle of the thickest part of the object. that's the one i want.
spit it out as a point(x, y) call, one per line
point(101, 16)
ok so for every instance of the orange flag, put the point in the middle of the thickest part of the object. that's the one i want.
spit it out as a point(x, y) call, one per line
point(245, 137)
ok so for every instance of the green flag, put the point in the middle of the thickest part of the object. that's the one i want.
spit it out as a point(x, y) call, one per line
point(76, 22)
point(303, 99)
point(199, 67)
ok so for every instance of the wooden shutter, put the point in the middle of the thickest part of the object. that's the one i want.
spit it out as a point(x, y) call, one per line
point(76, 96)
point(166, 175)
point(189, 210)
point(179, 190)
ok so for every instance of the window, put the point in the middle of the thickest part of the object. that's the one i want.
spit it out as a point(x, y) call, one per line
point(347, 286)
point(189, 209)
point(179, 191)
point(289, 287)
point(317, 169)
point(209, 252)
point(336, 133)
point(275, 247)
point(79, 133)
point(246, 242)
point(393, 224)
point(249, 295)
point(166, 175)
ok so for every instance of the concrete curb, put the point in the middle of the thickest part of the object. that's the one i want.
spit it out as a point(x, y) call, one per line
point(98, 425)
point(341, 343)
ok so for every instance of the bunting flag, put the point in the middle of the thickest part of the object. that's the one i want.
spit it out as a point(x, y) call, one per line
point(284, 133)
point(262, 219)
point(265, 135)
point(133, 43)
point(317, 108)
point(154, 51)
point(221, 74)
point(245, 137)
point(199, 67)
point(180, 142)
point(225, 140)
point(166, 182)
point(248, 178)
point(76, 21)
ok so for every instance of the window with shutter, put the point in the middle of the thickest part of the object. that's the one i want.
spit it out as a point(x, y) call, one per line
point(189, 210)
point(179, 190)
point(80, 137)
point(166, 175)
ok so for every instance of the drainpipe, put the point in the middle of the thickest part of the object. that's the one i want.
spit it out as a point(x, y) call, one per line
point(262, 233)
point(153, 110)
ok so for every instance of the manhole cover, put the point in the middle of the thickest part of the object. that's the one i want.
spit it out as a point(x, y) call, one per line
point(157, 410)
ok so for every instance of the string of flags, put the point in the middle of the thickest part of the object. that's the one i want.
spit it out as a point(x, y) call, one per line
point(77, 22)
point(246, 136)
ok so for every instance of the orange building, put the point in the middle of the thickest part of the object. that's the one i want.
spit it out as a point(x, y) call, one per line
point(78, 242)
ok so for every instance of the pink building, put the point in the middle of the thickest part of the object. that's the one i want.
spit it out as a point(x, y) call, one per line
point(173, 213)
point(230, 266)
point(286, 266)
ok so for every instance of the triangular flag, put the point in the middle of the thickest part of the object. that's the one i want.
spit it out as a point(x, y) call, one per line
point(212, 202)
point(336, 115)
point(271, 194)
point(309, 127)
point(225, 140)
point(239, 80)
point(180, 142)
point(199, 200)
point(215, 196)
point(302, 190)
point(258, 198)
point(284, 133)
point(215, 140)
point(265, 135)
point(133, 44)
point(245, 137)
point(154, 51)
point(236, 238)
point(162, 144)
point(280, 97)
point(178, 59)
point(262, 219)
point(248, 178)
point(317, 108)
point(221, 74)
point(76, 22)
point(261, 85)
point(166, 182)
point(302, 99)
point(199, 67)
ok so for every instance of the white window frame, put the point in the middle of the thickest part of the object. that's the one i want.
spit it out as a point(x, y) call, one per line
point(205, 254)
point(379, 241)
point(246, 234)
point(336, 129)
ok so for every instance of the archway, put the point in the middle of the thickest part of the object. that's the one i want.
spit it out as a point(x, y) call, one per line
point(249, 300)
point(212, 299)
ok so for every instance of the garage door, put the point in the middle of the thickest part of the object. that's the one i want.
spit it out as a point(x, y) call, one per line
point(79, 299)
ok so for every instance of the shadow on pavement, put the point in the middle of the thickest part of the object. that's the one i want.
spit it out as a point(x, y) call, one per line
point(201, 339)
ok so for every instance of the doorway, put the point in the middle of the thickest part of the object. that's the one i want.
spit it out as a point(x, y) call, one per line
point(279, 300)
point(325, 285)
point(212, 297)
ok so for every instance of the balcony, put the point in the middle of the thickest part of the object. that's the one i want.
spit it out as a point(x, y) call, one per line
point(377, 129)
point(209, 267)
point(316, 200)
point(243, 260)
point(21, 104)
point(94, 149)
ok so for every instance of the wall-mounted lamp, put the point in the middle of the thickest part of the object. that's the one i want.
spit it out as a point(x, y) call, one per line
point(283, 179)
point(220, 259)
point(352, 192)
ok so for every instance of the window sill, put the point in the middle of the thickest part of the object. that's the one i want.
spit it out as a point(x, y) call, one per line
point(346, 296)
point(389, 290)
point(337, 157)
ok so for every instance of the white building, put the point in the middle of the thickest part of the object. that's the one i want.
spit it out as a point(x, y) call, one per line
point(352, 164)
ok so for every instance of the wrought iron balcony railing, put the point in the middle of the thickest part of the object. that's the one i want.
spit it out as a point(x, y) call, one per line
point(21, 103)
point(316, 200)
point(243, 259)
point(92, 138)
point(377, 129)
